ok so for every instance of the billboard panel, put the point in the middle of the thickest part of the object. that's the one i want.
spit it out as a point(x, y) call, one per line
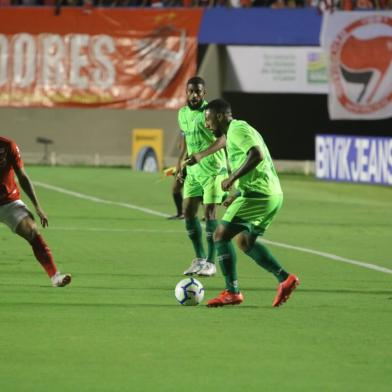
point(139, 58)
point(354, 159)
point(266, 69)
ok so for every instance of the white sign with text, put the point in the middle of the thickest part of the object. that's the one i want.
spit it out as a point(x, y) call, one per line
point(255, 69)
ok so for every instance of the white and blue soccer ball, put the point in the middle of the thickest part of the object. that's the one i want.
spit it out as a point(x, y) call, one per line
point(189, 292)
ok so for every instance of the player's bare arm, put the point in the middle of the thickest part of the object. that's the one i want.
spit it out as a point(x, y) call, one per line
point(182, 147)
point(180, 162)
point(28, 188)
point(254, 157)
point(216, 146)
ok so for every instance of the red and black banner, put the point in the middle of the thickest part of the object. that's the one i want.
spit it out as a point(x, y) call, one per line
point(358, 46)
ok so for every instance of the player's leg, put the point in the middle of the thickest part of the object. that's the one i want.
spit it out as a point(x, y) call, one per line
point(192, 224)
point(20, 220)
point(228, 262)
point(28, 230)
point(194, 230)
point(211, 225)
point(177, 197)
point(226, 254)
point(260, 212)
point(212, 195)
point(209, 268)
point(261, 255)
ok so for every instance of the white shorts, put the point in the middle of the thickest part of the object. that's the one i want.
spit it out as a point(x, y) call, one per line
point(13, 213)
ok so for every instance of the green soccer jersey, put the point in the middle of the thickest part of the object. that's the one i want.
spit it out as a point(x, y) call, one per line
point(241, 137)
point(199, 138)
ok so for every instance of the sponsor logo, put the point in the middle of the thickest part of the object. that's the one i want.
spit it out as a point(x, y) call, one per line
point(354, 159)
point(316, 68)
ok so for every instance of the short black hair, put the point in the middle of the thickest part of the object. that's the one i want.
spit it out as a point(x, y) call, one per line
point(196, 80)
point(219, 106)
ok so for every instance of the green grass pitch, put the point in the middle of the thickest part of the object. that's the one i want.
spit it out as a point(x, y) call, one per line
point(118, 327)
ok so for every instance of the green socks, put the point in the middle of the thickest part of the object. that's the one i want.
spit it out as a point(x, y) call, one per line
point(263, 257)
point(193, 228)
point(228, 262)
point(210, 228)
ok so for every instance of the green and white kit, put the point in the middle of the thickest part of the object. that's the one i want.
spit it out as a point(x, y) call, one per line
point(204, 178)
point(261, 195)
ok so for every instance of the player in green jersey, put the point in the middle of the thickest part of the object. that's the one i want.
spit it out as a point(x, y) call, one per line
point(203, 180)
point(259, 197)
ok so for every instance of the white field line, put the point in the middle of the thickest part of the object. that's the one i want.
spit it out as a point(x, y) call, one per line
point(331, 256)
point(111, 230)
point(157, 213)
point(98, 200)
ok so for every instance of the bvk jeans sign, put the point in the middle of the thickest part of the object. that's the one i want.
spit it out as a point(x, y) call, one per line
point(354, 159)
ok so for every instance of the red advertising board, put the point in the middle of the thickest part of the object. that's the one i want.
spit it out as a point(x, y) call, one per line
point(115, 58)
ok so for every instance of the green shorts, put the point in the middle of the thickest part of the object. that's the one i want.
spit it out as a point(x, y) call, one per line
point(253, 214)
point(209, 188)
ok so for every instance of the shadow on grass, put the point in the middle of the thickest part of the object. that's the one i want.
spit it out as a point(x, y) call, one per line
point(120, 306)
point(75, 288)
point(104, 274)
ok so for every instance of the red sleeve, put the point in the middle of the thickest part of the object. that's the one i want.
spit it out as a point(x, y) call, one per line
point(16, 159)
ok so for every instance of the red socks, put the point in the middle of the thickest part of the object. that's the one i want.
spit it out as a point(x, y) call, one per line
point(43, 255)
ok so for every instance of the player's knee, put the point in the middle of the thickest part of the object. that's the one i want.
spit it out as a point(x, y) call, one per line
point(27, 229)
point(189, 212)
point(177, 187)
point(32, 232)
point(219, 234)
point(210, 212)
point(244, 242)
point(190, 209)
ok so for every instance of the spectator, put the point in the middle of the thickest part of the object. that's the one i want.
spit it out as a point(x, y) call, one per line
point(364, 5)
point(278, 4)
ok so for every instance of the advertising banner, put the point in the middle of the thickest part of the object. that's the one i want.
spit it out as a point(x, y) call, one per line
point(147, 149)
point(354, 159)
point(358, 46)
point(117, 58)
point(255, 69)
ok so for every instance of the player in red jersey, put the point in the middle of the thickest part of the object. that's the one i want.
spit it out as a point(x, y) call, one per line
point(15, 214)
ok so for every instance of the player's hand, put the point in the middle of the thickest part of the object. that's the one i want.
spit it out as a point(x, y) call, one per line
point(190, 161)
point(42, 216)
point(193, 159)
point(227, 184)
point(229, 200)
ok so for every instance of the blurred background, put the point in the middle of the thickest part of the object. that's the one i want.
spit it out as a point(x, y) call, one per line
point(99, 83)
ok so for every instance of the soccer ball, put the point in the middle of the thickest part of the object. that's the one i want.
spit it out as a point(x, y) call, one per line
point(189, 292)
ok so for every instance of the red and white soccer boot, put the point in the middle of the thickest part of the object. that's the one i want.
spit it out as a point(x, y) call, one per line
point(226, 298)
point(285, 289)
